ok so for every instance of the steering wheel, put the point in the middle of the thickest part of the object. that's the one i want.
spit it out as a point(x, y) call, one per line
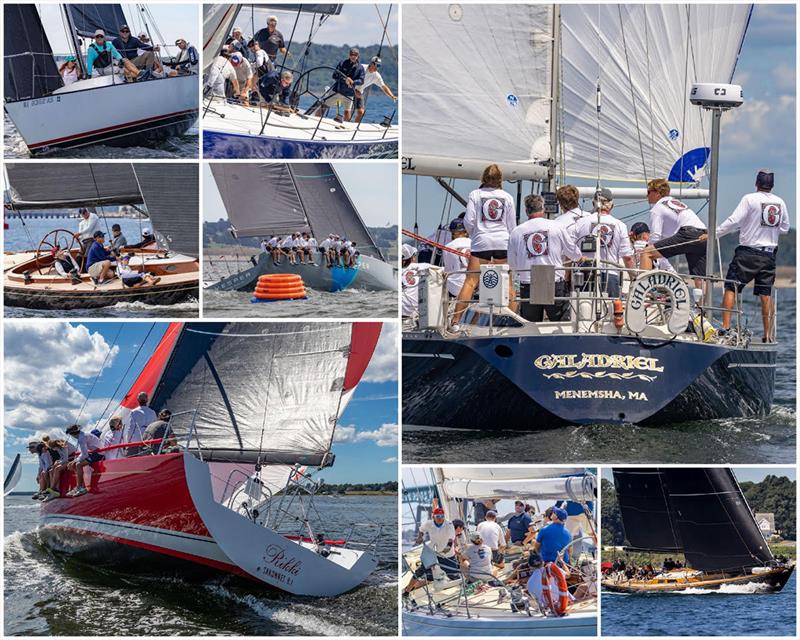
point(59, 238)
point(306, 77)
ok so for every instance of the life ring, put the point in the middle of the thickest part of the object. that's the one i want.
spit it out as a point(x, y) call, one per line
point(278, 277)
point(554, 578)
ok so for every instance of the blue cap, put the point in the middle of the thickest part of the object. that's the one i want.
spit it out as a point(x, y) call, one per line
point(560, 513)
point(639, 227)
point(96, 432)
point(457, 224)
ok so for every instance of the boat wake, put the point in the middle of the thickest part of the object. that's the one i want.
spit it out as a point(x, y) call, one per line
point(748, 588)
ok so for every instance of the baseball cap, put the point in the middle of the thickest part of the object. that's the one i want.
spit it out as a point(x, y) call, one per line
point(458, 523)
point(375, 60)
point(639, 227)
point(560, 513)
point(236, 59)
point(99, 234)
point(146, 231)
point(605, 193)
point(438, 511)
point(765, 179)
point(99, 32)
point(475, 537)
point(456, 224)
point(408, 251)
point(353, 50)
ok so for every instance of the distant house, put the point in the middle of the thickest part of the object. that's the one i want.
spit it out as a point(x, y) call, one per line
point(766, 523)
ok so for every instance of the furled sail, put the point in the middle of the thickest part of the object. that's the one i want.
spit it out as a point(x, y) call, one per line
point(716, 525)
point(259, 198)
point(522, 482)
point(644, 504)
point(270, 392)
point(171, 195)
point(329, 208)
point(87, 18)
point(30, 70)
point(646, 57)
point(476, 81)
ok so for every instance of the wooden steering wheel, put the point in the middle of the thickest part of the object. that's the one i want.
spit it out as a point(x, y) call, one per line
point(59, 238)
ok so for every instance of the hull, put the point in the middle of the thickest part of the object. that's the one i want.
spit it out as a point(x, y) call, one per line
point(544, 381)
point(122, 114)
point(219, 145)
point(165, 504)
point(774, 580)
point(371, 274)
point(419, 623)
point(67, 300)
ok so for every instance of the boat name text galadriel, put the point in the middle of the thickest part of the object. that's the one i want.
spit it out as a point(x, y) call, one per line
point(596, 361)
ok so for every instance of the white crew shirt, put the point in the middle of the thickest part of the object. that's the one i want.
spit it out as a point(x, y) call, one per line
point(220, 71)
point(109, 439)
point(141, 417)
point(83, 446)
point(479, 557)
point(409, 280)
point(761, 219)
point(612, 238)
point(326, 243)
point(491, 533)
point(287, 243)
point(440, 536)
point(569, 219)
point(453, 263)
point(540, 241)
point(370, 78)
point(87, 226)
point(490, 219)
point(670, 214)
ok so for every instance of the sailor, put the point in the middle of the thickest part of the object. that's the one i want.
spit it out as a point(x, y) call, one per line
point(129, 47)
point(541, 241)
point(608, 234)
point(349, 77)
point(100, 262)
point(245, 78)
point(569, 201)
point(69, 71)
point(489, 220)
point(89, 223)
point(118, 241)
point(159, 430)
point(45, 462)
point(312, 246)
point(85, 458)
point(101, 55)
point(259, 59)
point(429, 252)
point(441, 536)
point(493, 537)
point(639, 235)
point(270, 39)
point(274, 249)
point(236, 41)
point(409, 280)
point(276, 86)
point(325, 248)
point(132, 278)
point(761, 218)
point(65, 265)
point(460, 541)
point(674, 230)
point(455, 266)
point(371, 77)
point(518, 524)
point(264, 244)
point(59, 454)
point(147, 239)
point(140, 418)
point(220, 74)
point(482, 507)
point(554, 537)
point(113, 436)
point(287, 248)
point(187, 59)
point(478, 560)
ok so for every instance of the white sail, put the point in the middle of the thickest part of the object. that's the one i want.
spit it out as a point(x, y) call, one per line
point(646, 58)
point(518, 482)
point(476, 81)
point(217, 24)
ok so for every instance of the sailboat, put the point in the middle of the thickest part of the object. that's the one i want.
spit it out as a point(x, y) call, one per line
point(105, 109)
point(169, 194)
point(254, 409)
point(262, 199)
point(232, 130)
point(702, 514)
point(453, 607)
point(597, 92)
point(13, 476)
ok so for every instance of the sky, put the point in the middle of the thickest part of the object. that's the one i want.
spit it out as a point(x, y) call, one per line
point(57, 373)
point(743, 474)
point(761, 133)
point(173, 21)
point(372, 186)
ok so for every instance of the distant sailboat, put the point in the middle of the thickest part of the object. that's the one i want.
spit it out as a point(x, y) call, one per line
point(702, 514)
point(98, 110)
point(262, 199)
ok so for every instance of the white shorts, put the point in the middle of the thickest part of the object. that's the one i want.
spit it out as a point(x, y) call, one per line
point(97, 268)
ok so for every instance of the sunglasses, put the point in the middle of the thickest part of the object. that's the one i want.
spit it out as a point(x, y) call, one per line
point(124, 31)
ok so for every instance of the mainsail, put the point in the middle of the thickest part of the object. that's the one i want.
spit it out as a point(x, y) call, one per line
point(700, 512)
point(30, 70)
point(87, 18)
point(542, 484)
point(266, 198)
point(270, 392)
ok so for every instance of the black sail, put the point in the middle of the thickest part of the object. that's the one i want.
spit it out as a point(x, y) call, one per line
point(716, 525)
point(87, 18)
point(645, 508)
point(30, 70)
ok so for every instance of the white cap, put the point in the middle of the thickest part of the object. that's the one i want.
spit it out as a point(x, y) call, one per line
point(145, 231)
point(235, 29)
point(408, 251)
point(99, 32)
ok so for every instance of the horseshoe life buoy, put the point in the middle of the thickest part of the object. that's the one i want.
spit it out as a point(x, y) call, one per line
point(554, 588)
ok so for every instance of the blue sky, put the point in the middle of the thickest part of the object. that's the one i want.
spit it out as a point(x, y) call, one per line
point(372, 186)
point(761, 133)
point(51, 368)
point(743, 474)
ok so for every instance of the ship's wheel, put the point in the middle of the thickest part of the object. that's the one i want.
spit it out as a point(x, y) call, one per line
point(58, 238)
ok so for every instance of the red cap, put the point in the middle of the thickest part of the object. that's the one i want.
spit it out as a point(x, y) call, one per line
point(438, 511)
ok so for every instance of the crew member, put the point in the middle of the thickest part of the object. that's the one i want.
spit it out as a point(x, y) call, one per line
point(371, 76)
point(518, 524)
point(101, 55)
point(442, 537)
point(409, 279)
point(89, 223)
point(455, 266)
point(569, 201)
point(270, 39)
point(554, 537)
point(140, 418)
point(349, 78)
point(276, 86)
point(493, 537)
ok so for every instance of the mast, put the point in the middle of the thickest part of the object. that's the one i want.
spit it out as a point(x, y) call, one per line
point(73, 37)
point(711, 243)
point(555, 95)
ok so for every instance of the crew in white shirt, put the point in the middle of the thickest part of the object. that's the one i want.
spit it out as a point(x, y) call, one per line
point(89, 223)
point(409, 281)
point(111, 437)
point(371, 76)
point(493, 537)
point(569, 202)
point(455, 265)
point(441, 540)
point(541, 241)
point(761, 218)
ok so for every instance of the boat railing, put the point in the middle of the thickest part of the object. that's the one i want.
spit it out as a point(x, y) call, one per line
point(589, 285)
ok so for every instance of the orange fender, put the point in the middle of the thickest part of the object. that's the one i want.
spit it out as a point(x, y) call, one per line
point(554, 588)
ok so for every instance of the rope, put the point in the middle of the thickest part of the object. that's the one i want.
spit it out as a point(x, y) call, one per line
point(385, 26)
point(633, 97)
point(99, 373)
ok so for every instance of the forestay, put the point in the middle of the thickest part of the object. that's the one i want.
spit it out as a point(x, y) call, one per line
point(646, 57)
point(30, 70)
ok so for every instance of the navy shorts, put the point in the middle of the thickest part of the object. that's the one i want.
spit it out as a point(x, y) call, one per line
point(448, 565)
point(685, 242)
point(95, 457)
point(751, 264)
point(496, 254)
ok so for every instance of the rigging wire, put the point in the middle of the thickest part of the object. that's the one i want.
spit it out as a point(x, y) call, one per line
point(685, 102)
point(633, 95)
point(385, 25)
point(99, 373)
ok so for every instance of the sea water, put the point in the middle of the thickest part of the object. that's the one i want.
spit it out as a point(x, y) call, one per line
point(24, 235)
point(735, 610)
point(763, 440)
point(50, 594)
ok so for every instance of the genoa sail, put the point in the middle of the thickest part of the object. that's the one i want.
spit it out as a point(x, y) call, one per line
point(88, 18)
point(30, 69)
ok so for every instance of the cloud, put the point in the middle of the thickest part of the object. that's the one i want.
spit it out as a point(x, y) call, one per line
point(40, 360)
point(390, 460)
point(784, 75)
point(384, 436)
point(762, 131)
point(383, 366)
